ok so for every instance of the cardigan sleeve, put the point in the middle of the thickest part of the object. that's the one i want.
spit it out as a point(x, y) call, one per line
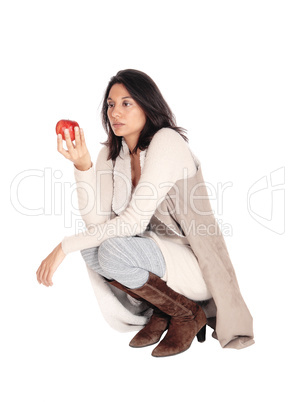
point(167, 160)
point(95, 190)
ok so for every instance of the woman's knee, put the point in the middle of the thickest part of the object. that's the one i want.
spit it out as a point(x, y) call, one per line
point(108, 252)
point(90, 255)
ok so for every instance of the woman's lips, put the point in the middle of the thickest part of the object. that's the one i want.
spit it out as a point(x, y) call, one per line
point(117, 126)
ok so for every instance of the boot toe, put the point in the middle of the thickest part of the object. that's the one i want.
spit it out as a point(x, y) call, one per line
point(142, 341)
point(169, 350)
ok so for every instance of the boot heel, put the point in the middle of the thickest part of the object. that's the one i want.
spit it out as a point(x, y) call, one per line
point(201, 335)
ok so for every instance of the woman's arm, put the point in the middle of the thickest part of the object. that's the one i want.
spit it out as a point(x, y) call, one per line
point(94, 186)
point(87, 187)
point(95, 190)
point(49, 266)
point(168, 159)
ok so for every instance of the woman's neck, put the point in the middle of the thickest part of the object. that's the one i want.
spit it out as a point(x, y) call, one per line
point(131, 143)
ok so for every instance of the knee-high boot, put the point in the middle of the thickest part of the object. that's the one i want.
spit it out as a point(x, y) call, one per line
point(154, 329)
point(187, 317)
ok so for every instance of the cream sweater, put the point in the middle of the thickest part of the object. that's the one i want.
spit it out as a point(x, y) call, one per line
point(107, 190)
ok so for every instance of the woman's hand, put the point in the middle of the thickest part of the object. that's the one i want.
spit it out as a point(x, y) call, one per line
point(49, 266)
point(78, 152)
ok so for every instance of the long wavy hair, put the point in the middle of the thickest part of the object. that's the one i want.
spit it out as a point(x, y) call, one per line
point(148, 96)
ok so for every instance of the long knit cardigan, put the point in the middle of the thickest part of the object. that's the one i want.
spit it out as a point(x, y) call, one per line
point(185, 217)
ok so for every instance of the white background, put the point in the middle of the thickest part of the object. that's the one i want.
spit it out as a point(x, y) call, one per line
point(226, 68)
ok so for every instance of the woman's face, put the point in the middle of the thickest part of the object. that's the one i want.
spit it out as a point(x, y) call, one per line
point(126, 117)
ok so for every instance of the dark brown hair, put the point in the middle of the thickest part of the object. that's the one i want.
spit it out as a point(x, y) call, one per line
point(148, 96)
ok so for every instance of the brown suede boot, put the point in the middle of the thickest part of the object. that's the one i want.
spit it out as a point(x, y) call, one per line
point(153, 330)
point(187, 317)
point(122, 287)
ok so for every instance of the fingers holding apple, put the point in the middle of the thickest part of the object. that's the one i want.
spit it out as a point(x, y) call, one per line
point(68, 139)
point(69, 125)
point(61, 149)
point(69, 131)
point(79, 137)
point(77, 132)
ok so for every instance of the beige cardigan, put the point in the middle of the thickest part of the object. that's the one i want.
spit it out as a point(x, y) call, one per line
point(233, 326)
point(110, 208)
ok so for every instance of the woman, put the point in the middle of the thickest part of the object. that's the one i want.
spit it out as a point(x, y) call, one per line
point(145, 155)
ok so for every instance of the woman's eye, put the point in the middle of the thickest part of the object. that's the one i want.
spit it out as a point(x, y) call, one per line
point(110, 105)
point(126, 104)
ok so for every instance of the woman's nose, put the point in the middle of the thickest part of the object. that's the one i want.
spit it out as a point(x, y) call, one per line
point(116, 111)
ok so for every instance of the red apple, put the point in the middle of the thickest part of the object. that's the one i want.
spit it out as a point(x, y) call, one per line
point(69, 124)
